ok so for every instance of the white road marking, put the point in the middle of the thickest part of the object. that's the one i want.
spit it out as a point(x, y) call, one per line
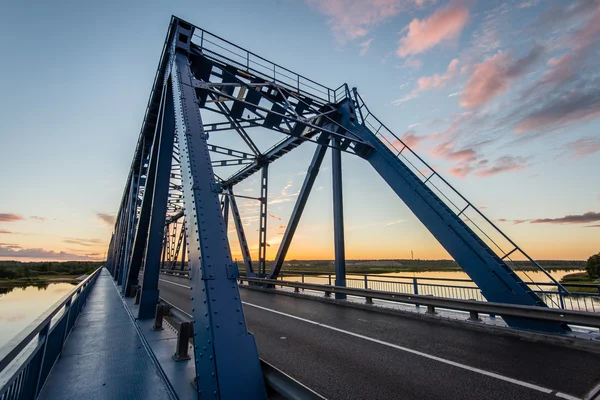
point(425, 355)
point(418, 353)
point(173, 283)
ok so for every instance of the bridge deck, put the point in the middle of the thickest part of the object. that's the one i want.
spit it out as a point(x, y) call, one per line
point(347, 353)
point(104, 357)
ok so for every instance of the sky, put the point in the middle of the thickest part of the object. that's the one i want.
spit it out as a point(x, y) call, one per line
point(501, 97)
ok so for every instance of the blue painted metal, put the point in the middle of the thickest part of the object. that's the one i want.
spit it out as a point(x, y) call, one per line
point(338, 217)
point(497, 281)
point(26, 360)
point(105, 357)
point(225, 354)
point(239, 227)
point(165, 137)
point(307, 185)
point(262, 230)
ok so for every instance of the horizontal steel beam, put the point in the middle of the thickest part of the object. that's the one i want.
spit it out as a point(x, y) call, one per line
point(530, 312)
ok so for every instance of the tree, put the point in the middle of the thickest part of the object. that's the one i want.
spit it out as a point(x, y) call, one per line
point(593, 266)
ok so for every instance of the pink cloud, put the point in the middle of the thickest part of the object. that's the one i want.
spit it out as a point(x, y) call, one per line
point(447, 151)
point(493, 76)
point(461, 172)
point(411, 140)
point(364, 46)
point(9, 217)
point(503, 164)
point(351, 19)
point(436, 81)
point(443, 25)
point(584, 147)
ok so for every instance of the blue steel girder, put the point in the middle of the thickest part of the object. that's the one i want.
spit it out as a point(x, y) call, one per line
point(225, 354)
point(497, 282)
point(239, 228)
point(307, 185)
point(338, 217)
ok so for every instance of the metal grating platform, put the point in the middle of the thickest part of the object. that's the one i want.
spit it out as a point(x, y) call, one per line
point(104, 357)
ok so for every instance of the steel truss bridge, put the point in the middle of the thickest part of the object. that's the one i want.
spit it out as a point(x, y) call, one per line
point(211, 103)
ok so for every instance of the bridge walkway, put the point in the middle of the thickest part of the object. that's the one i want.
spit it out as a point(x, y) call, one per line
point(349, 353)
point(104, 356)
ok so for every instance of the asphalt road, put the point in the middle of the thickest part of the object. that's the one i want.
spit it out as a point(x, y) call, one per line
point(346, 353)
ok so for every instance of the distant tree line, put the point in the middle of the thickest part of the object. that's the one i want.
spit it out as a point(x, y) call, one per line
point(17, 269)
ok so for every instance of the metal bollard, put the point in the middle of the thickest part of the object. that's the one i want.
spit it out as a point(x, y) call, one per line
point(161, 311)
point(327, 294)
point(431, 310)
point(369, 300)
point(296, 290)
point(474, 316)
point(183, 338)
point(138, 294)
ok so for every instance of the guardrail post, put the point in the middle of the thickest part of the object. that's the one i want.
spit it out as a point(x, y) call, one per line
point(161, 311)
point(296, 290)
point(45, 334)
point(474, 316)
point(366, 279)
point(183, 338)
point(369, 300)
point(431, 310)
point(138, 294)
point(329, 278)
point(327, 293)
point(302, 281)
point(561, 299)
point(415, 286)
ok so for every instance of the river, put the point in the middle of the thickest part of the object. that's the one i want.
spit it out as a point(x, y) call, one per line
point(19, 306)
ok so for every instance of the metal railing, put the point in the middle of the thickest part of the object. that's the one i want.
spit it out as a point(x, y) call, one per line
point(223, 50)
point(504, 248)
point(581, 297)
point(474, 308)
point(27, 359)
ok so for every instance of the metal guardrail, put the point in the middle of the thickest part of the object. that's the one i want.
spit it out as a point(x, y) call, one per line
point(580, 297)
point(473, 307)
point(276, 381)
point(27, 359)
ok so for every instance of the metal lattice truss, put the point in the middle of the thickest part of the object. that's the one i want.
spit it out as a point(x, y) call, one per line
point(181, 192)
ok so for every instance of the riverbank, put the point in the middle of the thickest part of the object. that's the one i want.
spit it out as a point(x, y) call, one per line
point(40, 280)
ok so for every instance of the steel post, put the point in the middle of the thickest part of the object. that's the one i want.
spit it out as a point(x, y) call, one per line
point(338, 218)
point(262, 238)
point(149, 295)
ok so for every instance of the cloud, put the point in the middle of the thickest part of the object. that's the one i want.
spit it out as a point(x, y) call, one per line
point(584, 147)
point(83, 242)
point(446, 150)
point(493, 76)
point(437, 81)
point(503, 164)
point(5, 232)
point(10, 217)
point(108, 219)
point(395, 222)
point(364, 46)
point(528, 4)
point(593, 226)
point(7, 252)
point(10, 245)
point(351, 19)
point(443, 25)
point(577, 46)
point(584, 218)
point(37, 218)
point(411, 140)
point(429, 82)
point(564, 106)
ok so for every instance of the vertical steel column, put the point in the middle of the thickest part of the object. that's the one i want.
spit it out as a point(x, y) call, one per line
point(132, 231)
point(183, 250)
point(226, 210)
point(239, 227)
point(262, 234)
point(149, 295)
point(129, 227)
point(309, 180)
point(165, 245)
point(338, 217)
point(225, 354)
point(141, 233)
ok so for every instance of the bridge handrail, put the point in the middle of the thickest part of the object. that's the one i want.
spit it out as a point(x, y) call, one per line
point(42, 324)
point(539, 313)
